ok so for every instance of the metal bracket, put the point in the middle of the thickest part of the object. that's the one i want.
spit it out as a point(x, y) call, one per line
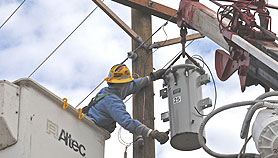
point(132, 55)
point(140, 141)
point(204, 103)
point(175, 40)
point(165, 116)
point(175, 74)
point(203, 79)
point(183, 33)
point(144, 45)
point(164, 93)
point(151, 4)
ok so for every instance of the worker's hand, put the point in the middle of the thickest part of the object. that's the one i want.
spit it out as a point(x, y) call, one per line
point(135, 75)
point(157, 74)
point(162, 137)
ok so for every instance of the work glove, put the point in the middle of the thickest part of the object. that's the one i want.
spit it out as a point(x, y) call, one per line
point(157, 74)
point(162, 137)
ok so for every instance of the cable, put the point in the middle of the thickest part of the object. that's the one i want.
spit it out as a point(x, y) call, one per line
point(139, 48)
point(215, 89)
point(120, 138)
point(206, 119)
point(127, 145)
point(195, 56)
point(165, 35)
point(63, 41)
point(128, 99)
point(163, 43)
point(149, 53)
point(90, 93)
point(12, 14)
point(254, 105)
point(171, 59)
point(175, 59)
point(267, 94)
point(154, 50)
point(97, 88)
point(163, 25)
point(121, 63)
point(242, 151)
point(176, 56)
point(251, 110)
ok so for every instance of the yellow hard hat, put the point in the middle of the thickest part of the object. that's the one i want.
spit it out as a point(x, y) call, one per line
point(119, 74)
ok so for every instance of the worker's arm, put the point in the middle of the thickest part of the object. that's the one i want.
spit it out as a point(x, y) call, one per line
point(140, 83)
point(117, 110)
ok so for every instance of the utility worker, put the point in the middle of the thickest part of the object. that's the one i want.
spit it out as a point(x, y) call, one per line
point(109, 109)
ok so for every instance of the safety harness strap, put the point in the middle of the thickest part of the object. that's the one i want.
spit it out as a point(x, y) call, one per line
point(93, 102)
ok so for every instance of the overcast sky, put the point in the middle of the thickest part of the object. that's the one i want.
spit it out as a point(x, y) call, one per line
point(85, 58)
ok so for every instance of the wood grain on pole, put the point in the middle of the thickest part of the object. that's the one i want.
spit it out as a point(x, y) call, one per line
point(143, 102)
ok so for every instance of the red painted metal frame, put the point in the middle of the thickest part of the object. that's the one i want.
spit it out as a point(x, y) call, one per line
point(242, 23)
point(246, 1)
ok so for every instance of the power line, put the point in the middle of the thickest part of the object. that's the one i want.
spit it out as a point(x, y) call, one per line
point(97, 88)
point(162, 26)
point(12, 14)
point(177, 56)
point(90, 93)
point(63, 41)
point(214, 85)
point(143, 43)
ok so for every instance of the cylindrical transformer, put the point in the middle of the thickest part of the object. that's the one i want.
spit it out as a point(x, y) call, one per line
point(184, 89)
point(265, 133)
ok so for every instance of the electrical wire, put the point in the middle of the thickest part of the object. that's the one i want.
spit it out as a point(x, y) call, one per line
point(214, 84)
point(162, 26)
point(174, 60)
point(255, 104)
point(134, 52)
point(176, 56)
point(166, 37)
point(179, 53)
point(63, 42)
point(119, 132)
point(143, 43)
point(242, 150)
point(90, 93)
point(213, 113)
point(144, 74)
point(121, 139)
point(128, 99)
point(124, 142)
point(95, 89)
point(12, 14)
point(200, 58)
point(163, 43)
point(127, 145)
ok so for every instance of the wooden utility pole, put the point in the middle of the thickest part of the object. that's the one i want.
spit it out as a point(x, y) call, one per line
point(143, 102)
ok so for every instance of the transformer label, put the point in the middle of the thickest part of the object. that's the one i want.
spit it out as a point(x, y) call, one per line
point(176, 99)
point(64, 136)
point(178, 90)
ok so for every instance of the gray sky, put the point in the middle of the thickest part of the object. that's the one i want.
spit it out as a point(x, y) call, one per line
point(86, 57)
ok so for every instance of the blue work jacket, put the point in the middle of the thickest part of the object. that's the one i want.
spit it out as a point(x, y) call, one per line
point(111, 108)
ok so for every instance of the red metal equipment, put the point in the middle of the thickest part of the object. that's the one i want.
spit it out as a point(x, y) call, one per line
point(237, 19)
point(243, 23)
